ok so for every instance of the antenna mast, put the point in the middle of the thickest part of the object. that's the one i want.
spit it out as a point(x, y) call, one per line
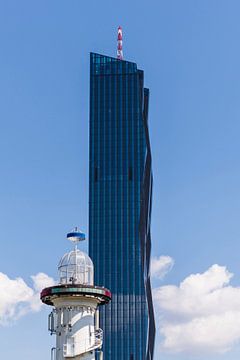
point(119, 49)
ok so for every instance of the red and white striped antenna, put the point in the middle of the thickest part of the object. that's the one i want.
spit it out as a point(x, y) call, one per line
point(119, 49)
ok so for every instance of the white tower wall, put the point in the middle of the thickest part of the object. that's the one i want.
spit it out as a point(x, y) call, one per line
point(73, 321)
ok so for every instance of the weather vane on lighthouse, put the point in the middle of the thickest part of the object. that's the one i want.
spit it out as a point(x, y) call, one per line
point(75, 300)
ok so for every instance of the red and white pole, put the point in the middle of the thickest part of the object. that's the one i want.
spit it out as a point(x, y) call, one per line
point(119, 49)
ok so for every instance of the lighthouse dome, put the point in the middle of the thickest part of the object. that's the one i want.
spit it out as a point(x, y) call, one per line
point(76, 267)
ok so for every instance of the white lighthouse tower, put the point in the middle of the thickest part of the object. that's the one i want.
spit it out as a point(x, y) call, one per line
point(75, 301)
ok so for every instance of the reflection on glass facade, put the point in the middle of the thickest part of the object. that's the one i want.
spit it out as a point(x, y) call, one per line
point(120, 205)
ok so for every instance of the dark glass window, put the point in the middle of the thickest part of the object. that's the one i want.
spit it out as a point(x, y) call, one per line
point(130, 174)
point(95, 174)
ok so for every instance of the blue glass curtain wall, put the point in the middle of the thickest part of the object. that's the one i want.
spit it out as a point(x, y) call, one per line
point(120, 183)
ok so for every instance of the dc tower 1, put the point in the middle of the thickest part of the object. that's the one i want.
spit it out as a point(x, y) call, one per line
point(120, 186)
point(74, 319)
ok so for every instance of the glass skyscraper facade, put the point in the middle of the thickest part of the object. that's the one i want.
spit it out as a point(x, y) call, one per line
point(120, 183)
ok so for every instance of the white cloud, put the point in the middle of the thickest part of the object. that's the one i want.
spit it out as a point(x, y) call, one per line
point(40, 281)
point(201, 315)
point(18, 299)
point(161, 266)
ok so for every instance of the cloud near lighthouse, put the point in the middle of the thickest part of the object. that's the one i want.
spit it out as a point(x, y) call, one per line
point(18, 299)
point(199, 316)
point(160, 266)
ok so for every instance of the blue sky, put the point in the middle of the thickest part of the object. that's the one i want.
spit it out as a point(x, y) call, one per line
point(190, 53)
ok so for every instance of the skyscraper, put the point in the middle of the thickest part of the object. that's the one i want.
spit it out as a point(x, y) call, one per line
point(120, 183)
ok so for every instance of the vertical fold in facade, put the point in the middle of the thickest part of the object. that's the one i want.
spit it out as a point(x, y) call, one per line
point(144, 228)
point(120, 183)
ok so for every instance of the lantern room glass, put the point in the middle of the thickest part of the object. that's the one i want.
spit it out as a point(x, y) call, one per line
point(76, 267)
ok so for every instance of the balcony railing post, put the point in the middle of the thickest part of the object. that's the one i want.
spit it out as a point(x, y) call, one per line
point(53, 353)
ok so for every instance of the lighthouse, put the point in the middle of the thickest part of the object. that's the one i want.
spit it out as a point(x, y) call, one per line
point(75, 317)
